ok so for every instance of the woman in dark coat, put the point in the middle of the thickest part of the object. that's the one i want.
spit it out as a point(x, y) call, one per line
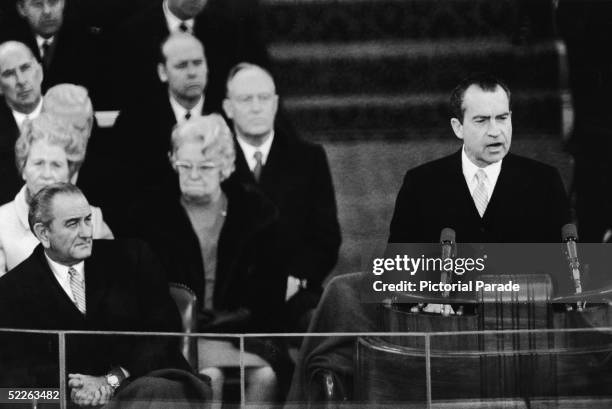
point(218, 239)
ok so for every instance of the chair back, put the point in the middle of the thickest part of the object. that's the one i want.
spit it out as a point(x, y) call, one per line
point(186, 302)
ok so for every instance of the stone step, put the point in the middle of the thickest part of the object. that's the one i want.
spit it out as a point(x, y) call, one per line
point(407, 116)
point(295, 21)
point(410, 66)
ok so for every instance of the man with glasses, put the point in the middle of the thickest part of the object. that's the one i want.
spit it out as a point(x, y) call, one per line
point(295, 175)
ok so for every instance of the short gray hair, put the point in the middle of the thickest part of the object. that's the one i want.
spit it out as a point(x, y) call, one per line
point(54, 131)
point(41, 203)
point(214, 135)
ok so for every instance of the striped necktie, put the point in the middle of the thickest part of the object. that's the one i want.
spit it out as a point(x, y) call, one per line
point(77, 286)
point(481, 193)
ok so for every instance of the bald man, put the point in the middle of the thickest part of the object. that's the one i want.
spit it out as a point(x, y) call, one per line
point(295, 175)
point(20, 85)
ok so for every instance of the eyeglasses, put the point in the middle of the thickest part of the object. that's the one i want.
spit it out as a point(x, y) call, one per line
point(202, 168)
point(262, 98)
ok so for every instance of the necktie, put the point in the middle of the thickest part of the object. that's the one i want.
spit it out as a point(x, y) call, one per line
point(183, 27)
point(77, 286)
point(187, 115)
point(46, 45)
point(258, 165)
point(481, 194)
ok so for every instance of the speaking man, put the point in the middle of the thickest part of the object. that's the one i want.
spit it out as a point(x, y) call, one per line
point(483, 192)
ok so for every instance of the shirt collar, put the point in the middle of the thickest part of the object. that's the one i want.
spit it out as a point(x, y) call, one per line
point(469, 170)
point(60, 271)
point(174, 22)
point(20, 116)
point(41, 40)
point(249, 150)
point(180, 111)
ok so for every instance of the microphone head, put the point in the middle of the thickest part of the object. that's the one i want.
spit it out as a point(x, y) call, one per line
point(569, 232)
point(447, 235)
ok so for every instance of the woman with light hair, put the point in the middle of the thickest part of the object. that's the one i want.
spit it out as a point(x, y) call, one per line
point(71, 104)
point(217, 237)
point(47, 151)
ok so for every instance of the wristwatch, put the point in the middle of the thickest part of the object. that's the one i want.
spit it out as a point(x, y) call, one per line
point(112, 380)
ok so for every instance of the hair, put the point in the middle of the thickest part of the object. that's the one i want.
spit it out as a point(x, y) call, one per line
point(214, 135)
point(41, 203)
point(70, 103)
point(161, 55)
point(244, 66)
point(54, 131)
point(486, 82)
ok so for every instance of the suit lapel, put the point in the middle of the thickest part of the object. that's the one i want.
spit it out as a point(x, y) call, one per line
point(507, 189)
point(96, 282)
point(273, 174)
point(60, 307)
point(459, 189)
point(242, 168)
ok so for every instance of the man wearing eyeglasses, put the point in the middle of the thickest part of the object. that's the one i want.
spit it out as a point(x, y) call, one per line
point(295, 175)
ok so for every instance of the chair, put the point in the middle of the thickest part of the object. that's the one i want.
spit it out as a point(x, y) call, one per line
point(186, 301)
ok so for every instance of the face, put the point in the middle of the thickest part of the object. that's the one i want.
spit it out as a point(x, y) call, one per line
point(487, 125)
point(44, 16)
point(20, 79)
point(186, 9)
point(68, 238)
point(185, 69)
point(199, 175)
point(46, 164)
point(251, 103)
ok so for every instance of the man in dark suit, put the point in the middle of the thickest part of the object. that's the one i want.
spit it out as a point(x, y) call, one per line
point(228, 29)
point(142, 130)
point(294, 174)
point(66, 285)
point(484, 193)
point(66, 49)
point(20, 84)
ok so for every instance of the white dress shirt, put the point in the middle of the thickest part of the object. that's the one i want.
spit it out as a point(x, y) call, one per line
point(249, 150)
point(174, 22)
point(62, 276)
point(180, 111)
point(41, 40)
point(470, 169)
point(20, 117)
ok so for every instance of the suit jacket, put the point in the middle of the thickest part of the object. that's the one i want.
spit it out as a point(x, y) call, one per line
point(248, 275)
point(528, 205)
point(10, 180)
point(125, 291)
point(141, 165)
point(296, 177)
point(73, 53)
point(229, 30)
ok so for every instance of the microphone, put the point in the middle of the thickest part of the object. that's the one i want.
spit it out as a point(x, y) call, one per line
point(447, 241)
point(569, 234)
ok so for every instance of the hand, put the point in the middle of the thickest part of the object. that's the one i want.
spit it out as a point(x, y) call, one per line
point(89, 390)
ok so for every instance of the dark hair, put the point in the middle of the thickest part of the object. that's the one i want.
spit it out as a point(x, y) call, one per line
point(40, 204)
point(486, 82)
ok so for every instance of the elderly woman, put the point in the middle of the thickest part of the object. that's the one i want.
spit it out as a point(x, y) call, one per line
point(217, 238)
point(47, 151)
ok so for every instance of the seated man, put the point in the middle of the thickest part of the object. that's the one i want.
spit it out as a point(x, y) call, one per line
point(65, 285)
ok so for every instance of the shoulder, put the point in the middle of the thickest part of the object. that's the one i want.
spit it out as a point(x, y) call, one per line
point(450, 163)
point(247, 201)
point(529, 167)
